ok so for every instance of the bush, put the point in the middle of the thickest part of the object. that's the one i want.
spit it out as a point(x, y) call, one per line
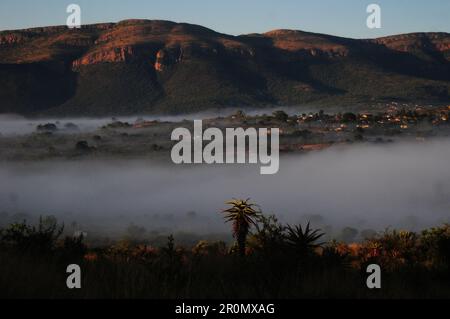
point(40, 239)
point(394, 249)
point(280, 116)
point(436, 244)
point(73, 248)
point(270, 235)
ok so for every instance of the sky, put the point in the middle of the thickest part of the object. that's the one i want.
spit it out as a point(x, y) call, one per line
point(344, 17)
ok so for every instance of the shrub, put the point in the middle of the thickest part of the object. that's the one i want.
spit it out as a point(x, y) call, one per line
point(40, 239)
point(394, 249)
point(280, 116)
point(73, 248)
point(436, 244)
point(205, 248)
point(270, 235)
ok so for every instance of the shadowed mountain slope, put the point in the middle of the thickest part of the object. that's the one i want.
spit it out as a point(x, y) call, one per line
point(150, 66)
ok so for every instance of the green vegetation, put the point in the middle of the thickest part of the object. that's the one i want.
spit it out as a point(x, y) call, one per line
point(56, 71)
point(271, 261)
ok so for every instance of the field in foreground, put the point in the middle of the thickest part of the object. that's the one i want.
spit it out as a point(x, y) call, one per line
point(271, 261)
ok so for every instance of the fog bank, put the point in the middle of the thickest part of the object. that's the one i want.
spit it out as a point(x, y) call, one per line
point(367, 186)
point(14, 124)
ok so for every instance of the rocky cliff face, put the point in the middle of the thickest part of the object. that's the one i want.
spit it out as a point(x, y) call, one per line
point(112, 55)
point(168, 57)
point(439, 42)
point(312, 44)
point(175, 64)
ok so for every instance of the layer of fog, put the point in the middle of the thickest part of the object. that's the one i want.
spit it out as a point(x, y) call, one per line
point(13, 124)
point(397, 185)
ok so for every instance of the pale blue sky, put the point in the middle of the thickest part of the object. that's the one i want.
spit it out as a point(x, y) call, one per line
point(339, 17)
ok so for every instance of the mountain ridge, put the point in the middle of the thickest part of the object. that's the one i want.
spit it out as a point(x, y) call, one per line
point(158, 66)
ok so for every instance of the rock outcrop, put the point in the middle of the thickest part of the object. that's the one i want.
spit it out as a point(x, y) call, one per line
point(137, 66)
point(428, 42)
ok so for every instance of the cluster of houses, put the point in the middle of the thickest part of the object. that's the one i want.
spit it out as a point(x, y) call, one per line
point(400, 118)
point(393, 116)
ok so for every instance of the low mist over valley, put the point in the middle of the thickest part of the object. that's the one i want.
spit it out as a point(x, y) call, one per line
point(365, 187)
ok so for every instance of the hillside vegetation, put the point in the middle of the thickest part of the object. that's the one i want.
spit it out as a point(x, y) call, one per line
point(145, 66)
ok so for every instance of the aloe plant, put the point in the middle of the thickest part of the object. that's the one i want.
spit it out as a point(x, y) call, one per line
point(243, 215)
point(303, 240)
